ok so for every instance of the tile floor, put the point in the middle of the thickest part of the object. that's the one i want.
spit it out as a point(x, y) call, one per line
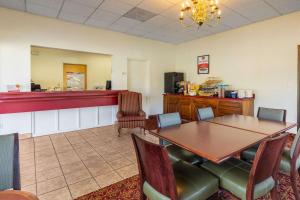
point(68, 165)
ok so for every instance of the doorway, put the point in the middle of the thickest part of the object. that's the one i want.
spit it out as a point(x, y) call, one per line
point(75, 77)
point(138, 79)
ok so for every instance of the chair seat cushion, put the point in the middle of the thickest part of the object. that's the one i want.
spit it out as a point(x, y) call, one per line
point(194, 183)
point(176, 154)
point(151, 193)
point(131, 118)
point(249, 154)
point(234, 175)
point(285, 163)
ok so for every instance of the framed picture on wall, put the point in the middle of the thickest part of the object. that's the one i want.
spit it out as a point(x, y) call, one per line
point(203, 64)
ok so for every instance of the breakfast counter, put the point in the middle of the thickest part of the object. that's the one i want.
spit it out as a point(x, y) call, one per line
point(42, 113)
point(187, 105)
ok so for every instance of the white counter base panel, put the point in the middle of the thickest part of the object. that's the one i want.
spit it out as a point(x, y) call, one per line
point(56, 121)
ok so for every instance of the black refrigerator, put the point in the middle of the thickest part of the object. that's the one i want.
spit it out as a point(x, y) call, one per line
point(171, 81)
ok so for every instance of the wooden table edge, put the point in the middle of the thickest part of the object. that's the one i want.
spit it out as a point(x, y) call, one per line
point(217, 161)
point(278, 132)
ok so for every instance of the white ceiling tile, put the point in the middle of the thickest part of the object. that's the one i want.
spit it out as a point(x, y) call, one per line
point(132, 2)
point(103, 15)
point(70, 7)
point(91, 3)
point(232, 19)
point(102, 18)
point(285, 6)
point(147, 27)
point(155, 6)
point(254, 10)
point(124, 24)
point(116, 6)
point(158, 21)
point(173, 12)
point(136, 31)
point(42, 10)
point(122, 29)
point(174, 26)
point(98, 23)
point(13, 4)
point(200, 34)
point(54, 4)
point(72, 17)
point(219, 28)
point(175, 1)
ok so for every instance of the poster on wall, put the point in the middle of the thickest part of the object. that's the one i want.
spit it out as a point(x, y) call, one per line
point(203, 64)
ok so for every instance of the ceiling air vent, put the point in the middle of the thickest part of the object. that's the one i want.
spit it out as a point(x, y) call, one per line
point(139, 14)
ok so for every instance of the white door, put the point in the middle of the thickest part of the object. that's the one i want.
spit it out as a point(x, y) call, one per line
point(138, 79)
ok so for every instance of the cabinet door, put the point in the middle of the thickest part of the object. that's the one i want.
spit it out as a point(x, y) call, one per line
point(202, 103)
point(185, 109)
point(171, 104)
point(229, 107)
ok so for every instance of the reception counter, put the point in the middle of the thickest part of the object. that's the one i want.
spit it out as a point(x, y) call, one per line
point(42, 113)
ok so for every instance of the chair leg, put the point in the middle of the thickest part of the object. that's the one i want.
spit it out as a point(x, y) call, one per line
point(274, 194)
point(293, 177)
point(119, 132)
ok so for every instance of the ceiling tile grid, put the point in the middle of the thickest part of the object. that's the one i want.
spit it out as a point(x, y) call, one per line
point(158, 21)
point(13, 4)
point(116, 6)
point(44, 7)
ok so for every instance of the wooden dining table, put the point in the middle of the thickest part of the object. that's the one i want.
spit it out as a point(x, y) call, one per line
point(253, 124)
point(222, 137)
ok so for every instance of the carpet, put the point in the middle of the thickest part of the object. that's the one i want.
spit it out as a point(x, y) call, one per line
point(128, 189)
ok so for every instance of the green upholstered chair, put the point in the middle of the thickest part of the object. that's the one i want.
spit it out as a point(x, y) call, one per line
point(9, 162)
point(162, 180)
point(205, 113)
point(175, 153)
point(271, 114)
point(167, 120)
point(251, 182)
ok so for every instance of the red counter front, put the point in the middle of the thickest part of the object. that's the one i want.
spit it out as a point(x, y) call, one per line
point(38, 101)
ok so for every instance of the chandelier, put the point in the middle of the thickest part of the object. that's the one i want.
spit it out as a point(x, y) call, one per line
point(200, 11)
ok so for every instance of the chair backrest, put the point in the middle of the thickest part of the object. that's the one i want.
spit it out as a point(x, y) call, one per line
point(169, 119)
point(155, 168)
point(9, 162)
point(205, 113)
point(295, 148)
point(266, 161)
point(271, 114)
point(130, 103)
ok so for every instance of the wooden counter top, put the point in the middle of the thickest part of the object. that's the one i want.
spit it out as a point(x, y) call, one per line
point(209, 97)
point(14, 102)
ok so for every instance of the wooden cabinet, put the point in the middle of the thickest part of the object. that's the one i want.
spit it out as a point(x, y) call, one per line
point(187, 105)
point(184, 107)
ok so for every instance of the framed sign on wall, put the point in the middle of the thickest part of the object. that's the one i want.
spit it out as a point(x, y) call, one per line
point(203, 64)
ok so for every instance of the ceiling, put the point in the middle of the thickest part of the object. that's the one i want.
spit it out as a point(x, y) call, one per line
point(163, 24)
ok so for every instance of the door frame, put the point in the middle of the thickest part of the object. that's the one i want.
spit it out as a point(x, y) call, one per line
point(298, 88)
point(64, 79)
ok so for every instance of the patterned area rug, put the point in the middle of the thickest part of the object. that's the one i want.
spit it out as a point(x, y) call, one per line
point(128, 189)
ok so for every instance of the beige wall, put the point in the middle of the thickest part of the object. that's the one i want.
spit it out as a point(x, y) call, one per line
point(261, 56)
point(21, 30)
point(47, 66)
